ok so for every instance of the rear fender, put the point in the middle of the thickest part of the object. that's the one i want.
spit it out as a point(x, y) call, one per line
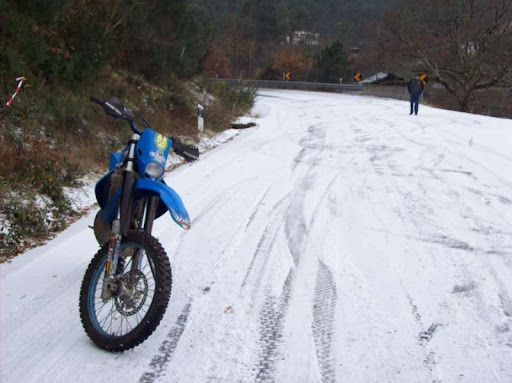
point(169, 197)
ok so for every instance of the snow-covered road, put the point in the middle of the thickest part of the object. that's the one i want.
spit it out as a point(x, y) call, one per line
point(341, 240)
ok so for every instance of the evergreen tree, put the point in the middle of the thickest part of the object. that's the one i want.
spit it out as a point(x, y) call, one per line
point(262, 17)
point(283, 19)
point(331, 64)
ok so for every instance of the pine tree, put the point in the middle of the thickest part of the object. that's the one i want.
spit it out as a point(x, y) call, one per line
point(332, 63)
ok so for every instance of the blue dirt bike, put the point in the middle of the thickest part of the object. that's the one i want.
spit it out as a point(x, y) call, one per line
point(127, 286)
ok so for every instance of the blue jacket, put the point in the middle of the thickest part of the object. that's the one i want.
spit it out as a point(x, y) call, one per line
point(415, 87)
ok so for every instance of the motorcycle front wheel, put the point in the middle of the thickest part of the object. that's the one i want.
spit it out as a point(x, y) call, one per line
point(128, 318)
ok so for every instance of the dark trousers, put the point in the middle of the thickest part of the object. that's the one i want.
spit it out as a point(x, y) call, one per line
point(415, 101)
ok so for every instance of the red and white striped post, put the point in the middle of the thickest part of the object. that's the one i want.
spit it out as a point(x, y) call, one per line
point(20, 81)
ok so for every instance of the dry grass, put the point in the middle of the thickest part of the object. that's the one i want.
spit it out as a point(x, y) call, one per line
point(50, 137)
point(48, 142)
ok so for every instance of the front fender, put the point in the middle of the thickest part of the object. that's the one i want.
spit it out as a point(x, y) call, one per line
point(169, 197)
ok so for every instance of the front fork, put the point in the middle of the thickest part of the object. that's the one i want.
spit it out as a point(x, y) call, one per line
point(111, 283)
point(146, 224)
point(111, 286)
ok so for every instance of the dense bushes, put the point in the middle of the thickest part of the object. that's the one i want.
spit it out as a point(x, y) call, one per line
point(229, 102)
point(69, 41)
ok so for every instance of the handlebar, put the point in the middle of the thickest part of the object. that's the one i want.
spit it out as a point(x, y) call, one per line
point(114, 108)
point(96, 100)
point(189, 152)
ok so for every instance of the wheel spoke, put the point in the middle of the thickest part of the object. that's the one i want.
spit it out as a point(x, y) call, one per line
point(117, 318)
point(132, 291)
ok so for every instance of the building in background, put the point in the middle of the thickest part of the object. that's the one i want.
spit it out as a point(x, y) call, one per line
point(303, 38)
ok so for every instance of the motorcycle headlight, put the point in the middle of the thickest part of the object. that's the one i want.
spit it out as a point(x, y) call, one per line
point(154, 170)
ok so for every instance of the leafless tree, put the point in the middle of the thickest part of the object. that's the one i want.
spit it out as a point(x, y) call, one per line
point(466, 45)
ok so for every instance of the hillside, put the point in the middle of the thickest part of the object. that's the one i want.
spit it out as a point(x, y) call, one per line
point(147, 54)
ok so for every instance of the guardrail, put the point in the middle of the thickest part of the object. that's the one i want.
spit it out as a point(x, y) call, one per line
point(300, 85)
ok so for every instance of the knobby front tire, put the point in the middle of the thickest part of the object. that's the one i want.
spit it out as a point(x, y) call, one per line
point(115, 325)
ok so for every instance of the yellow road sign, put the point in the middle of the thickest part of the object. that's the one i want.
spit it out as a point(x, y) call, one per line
point(287, 76)
point(424, 78)
point(357, 77)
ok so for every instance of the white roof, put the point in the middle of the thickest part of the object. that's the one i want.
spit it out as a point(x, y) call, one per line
point(374, 78)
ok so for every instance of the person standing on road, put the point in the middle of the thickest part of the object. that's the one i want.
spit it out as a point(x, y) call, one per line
point(415, 88)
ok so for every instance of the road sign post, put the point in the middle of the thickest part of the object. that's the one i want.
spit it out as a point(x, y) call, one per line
point(200, 118)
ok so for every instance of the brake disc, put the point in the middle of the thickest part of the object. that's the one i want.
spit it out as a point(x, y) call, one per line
point(131, 300)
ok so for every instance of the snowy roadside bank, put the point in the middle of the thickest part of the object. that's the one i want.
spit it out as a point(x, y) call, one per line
point(82, 198)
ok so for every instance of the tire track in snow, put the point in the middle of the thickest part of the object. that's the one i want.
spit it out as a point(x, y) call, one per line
point(274, 310)
point(476, 223)
point(251, 218)
point(411, 222)
point(331, 199)
point(313, 143)
point(159, 362)
point(295, 223)
point(216, 203)
point(324, 310)
point(271, 331)
point(295, 231)
point(295, 227)
point(422, 219)
point(267, 239)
